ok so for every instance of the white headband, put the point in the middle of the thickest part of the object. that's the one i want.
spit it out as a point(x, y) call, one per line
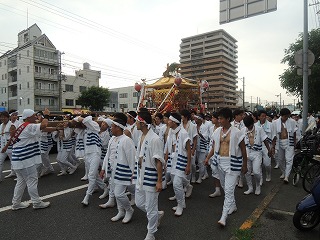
point(118, 124)
point(198, 117)
point(140, 119)
point(174, 120)
point(16, 112)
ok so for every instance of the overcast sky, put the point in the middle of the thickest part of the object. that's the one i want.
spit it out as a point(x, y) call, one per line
point(132, 39)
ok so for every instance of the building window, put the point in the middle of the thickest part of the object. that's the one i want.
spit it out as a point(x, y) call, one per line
point(5, 62)
point(19, 71)
point(51, 86)
point(69, 102)
point(135, 94)
point(28, 85)
point(20, 101)
point(27, 53)
point(0, 64)
point(28, 69)
point(5, 90)
point(38, 85)
point(82, 88)
point(37, 69)
point(19, 56)
point(69, 88)
point(123, 95)
point(38, 101)
point(134, 105)
point(2, 77)
point(5, 76)
point(28, 100)
point(124, 105)
point(51, 101)
point(19, 86)
point(51, 71)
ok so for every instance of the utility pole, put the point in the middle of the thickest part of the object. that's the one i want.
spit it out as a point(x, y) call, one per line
point(243, 93)
point(305, 66)
point(60, 80)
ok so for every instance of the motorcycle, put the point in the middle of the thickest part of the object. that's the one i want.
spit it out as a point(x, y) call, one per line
point(307, 215)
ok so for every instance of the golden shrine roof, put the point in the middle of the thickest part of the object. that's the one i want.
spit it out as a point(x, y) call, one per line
point(167, 82)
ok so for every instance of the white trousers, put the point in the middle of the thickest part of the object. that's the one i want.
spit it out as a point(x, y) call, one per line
point(3, 157)
point(179, 183)
point(285, 155)
point(27, 177)
point(266, 159)
point(46, 160)
point(254, 165)
point(201, 156)
point(94, 179)
point(148, 202)
point(228, 182)
point(62, 159)
point(122, 199)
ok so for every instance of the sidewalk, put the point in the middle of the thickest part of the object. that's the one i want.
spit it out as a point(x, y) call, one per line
point(275, 222)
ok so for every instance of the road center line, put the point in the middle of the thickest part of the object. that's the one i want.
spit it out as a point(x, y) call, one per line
point(3, 209)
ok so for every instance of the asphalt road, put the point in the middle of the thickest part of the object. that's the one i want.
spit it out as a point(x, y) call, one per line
point(66, 218)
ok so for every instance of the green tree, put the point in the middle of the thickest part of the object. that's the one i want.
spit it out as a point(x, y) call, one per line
point(293, 83)
point(94, 98)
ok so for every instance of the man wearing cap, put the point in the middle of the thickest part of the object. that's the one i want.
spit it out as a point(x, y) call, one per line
point(179, 145)
point(121, 160)
point(25, 158)
point(149, 169)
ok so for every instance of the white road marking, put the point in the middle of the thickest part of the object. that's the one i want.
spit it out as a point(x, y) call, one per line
point(3, 209)
point(6, 171)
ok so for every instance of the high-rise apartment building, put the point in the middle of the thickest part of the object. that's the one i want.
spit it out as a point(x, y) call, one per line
point(212, 57)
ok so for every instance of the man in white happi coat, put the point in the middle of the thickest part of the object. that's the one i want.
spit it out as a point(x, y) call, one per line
point(120, 158)
point(7, 130)
point(181, 154)
point(285, 132)
point(149, 169)
point(230, 157)
point(25, 159)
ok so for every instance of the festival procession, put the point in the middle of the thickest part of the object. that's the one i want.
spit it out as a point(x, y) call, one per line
point(96, 143)
point(131, 157)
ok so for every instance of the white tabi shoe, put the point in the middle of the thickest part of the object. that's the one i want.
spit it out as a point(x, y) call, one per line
point(189, 190)
point(111, 203)
point(128, 216)
point(18, 206)
point(160, 216)
point(105, 193)
point(85, 201)
point(118, 217)
point(215, 194)
point(41, 205)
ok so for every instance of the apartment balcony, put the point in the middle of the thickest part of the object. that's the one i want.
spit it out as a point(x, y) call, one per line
point(50, 107)
point(46, 92)
point(47, 61)
point(13, 94)
point(46, 76)
point(12, 79)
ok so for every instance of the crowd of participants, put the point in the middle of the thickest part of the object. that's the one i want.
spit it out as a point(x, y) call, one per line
point(132, 157)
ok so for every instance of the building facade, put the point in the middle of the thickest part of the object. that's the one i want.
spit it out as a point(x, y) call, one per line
point(30, 73)
point(123, 99)
point(31, 76)
point(72, 86)
point(212, 57)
